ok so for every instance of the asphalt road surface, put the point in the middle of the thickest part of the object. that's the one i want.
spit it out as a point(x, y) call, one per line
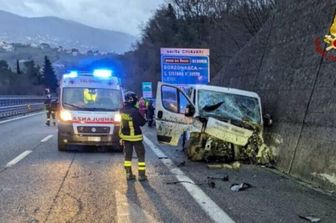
point(40, 184)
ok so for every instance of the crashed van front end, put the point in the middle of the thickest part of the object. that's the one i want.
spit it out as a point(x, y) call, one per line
point(224, 142)
point(232, 128)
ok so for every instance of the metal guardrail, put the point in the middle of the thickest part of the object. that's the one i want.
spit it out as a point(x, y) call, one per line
point(20, 105)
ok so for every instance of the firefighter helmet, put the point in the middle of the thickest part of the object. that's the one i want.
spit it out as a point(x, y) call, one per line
point(131, 98)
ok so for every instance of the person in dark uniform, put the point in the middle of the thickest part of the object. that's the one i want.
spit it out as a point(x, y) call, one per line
point(150, 113)
point(131, 135)
point(49, 104)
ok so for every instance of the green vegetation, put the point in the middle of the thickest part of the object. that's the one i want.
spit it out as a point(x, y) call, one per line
point(12, 83)
point(222, 26)
point(48, 76)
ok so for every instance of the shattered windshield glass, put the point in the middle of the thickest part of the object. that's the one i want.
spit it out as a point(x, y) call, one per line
point(228, 106)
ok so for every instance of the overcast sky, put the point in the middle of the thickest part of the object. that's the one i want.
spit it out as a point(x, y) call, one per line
point(120, 15)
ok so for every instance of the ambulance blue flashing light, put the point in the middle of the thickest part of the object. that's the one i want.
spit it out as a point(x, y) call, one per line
point(102, 73)
point(72, 74)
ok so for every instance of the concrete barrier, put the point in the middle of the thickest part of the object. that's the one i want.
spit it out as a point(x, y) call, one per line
point(297, 86)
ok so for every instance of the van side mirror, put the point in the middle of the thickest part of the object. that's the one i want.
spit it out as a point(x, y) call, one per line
point(190, 110)
point(268, 120)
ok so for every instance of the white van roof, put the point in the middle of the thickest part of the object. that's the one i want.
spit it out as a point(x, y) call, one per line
point(226, 90)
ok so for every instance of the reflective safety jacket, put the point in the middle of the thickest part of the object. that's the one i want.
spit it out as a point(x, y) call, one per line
point(88, 97)
point(131, 121)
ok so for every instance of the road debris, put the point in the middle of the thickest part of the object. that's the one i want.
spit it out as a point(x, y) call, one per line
point(269, 166)
point(240, 187)
point(232, 166)
point(225, 178)
point(181, 164)
point(212, 184)
point(310, 219)
point(180, 182)
point(163, 157)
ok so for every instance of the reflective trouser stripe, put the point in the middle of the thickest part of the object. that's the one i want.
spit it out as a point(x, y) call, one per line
point(127, 163)
point(141, 166)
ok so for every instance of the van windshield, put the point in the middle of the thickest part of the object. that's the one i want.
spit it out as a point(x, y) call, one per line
point(227, 106)
point(91, 99)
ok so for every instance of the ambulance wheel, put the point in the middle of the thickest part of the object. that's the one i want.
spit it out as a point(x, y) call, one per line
point(61, 145)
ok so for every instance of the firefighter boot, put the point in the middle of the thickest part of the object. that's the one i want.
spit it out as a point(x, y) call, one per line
point(129, 174)
point(142, 175)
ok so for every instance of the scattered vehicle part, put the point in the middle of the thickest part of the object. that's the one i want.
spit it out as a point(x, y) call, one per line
point(310, 219)
point(233, 166)
point(181, 164)
point(211, 184)
point(163, 157)
point(240, 187)
point(219, 124)
point(180, 182)
point(225, 178)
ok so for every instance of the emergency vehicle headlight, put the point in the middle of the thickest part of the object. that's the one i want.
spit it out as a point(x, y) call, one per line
point(72, 74)
point(117, 117)
point(102, 73)
point(65, 115)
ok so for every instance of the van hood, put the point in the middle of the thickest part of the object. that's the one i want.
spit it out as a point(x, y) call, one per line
point(228, 132)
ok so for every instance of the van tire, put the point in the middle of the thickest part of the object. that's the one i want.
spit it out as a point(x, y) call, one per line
point(193, 150)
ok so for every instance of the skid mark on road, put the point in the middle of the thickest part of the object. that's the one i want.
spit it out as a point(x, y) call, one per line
point(47, 138)
point(205, 202)
point(128, 212)
point(18, 158)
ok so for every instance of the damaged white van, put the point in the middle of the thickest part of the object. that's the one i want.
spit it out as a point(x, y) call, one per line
point(218, 124)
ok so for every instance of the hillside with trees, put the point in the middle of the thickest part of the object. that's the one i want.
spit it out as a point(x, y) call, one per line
point(222, 26)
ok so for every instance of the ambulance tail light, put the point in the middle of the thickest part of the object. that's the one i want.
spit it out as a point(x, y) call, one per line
point(101, 73)
point(117, 117)
point(65, 116)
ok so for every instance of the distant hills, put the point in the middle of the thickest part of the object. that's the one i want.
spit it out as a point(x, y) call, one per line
point(59, 32)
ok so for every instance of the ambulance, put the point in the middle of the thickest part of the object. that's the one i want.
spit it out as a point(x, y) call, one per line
point(89, 107)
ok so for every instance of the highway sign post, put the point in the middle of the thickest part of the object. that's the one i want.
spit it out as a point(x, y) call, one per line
point(183, 66)
point(147, 91)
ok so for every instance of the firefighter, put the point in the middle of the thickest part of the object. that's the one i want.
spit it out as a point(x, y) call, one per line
point(131, 135)
point(50, 108)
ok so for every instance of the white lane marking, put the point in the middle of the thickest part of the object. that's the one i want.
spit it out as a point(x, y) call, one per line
point(208, 205)
point(128, 212)
point(47, 138)
point(21, 117)
point(18, 158)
